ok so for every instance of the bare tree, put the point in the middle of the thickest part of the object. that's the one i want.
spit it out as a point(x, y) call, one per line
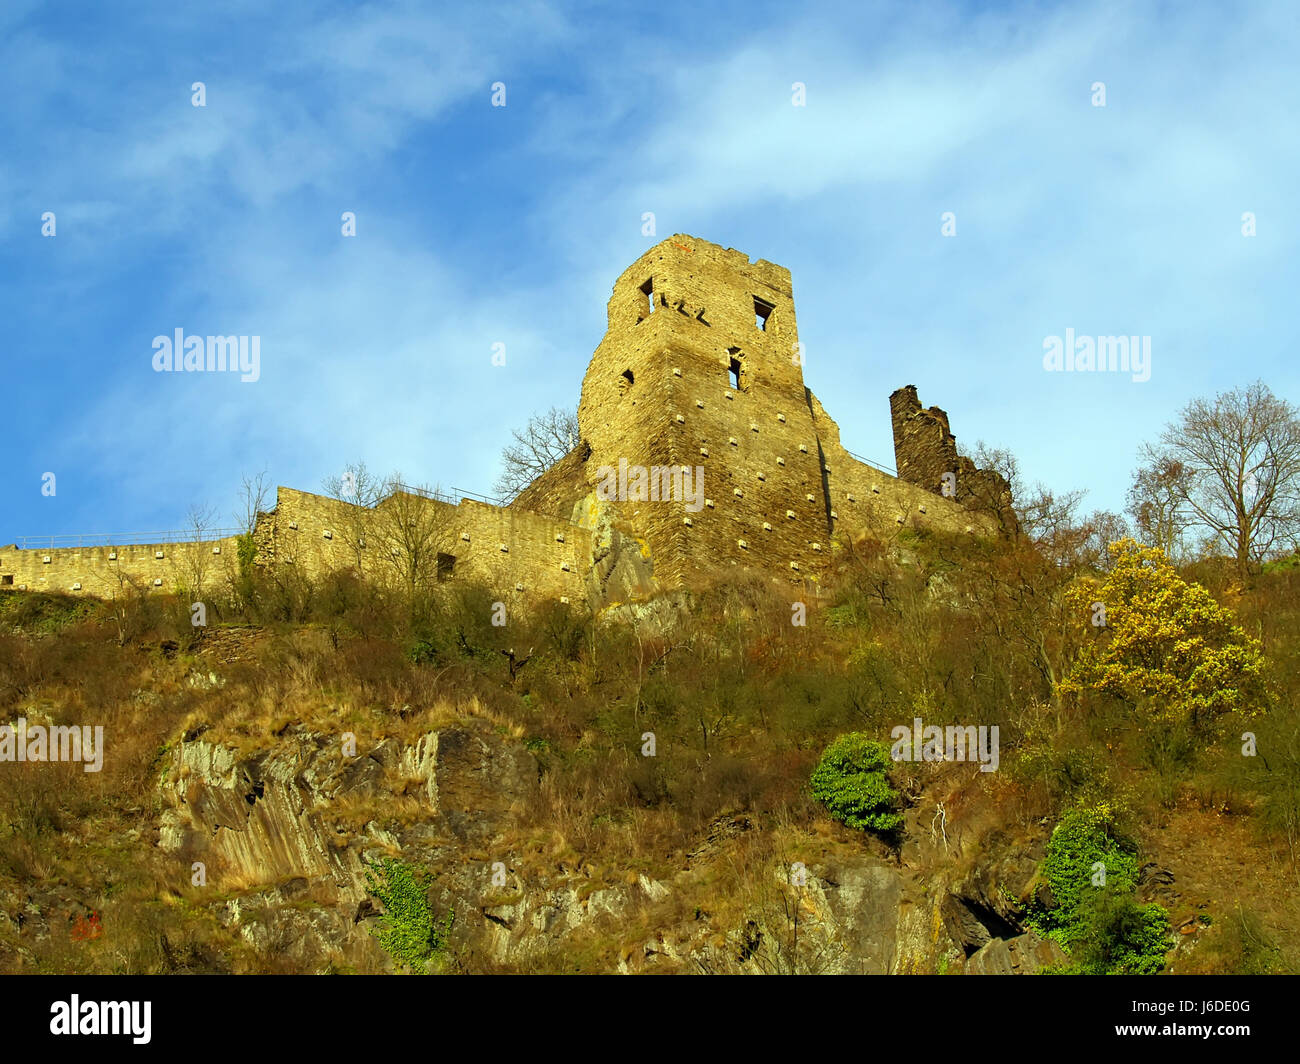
point(1241, 453)
point(361, 490)
point(1016, 594)
point(1052, 522)
point(537, 446)
point(195, 554)
point(1102, 528)
point(410, 533)
point(1155, 501)
point(994, 485)
point(253, 494)
point(127, 603)
point(1001, 461)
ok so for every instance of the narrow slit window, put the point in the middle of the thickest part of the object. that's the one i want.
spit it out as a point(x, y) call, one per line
point(735, 370)
point(648, 289)
point(625, 381)
point(762, 311)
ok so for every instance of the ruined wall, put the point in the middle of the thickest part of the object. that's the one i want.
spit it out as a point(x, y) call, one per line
point(712, 376)
point(868, 501)
point(558, 490)
point(925, 451)
point(510, 550)
point(700, 367)
point(513, 551)
point(104, 571)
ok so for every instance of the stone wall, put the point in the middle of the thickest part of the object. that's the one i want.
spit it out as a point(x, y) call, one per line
point(868, 501)
point(510, 550)
point(710, 390)
point(700, 369)
point(558, 490)
point(104, 571)
point(925, 451)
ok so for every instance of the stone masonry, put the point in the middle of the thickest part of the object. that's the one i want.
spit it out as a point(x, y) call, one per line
point(701, 367)
point(700, 370)
point(925, 451)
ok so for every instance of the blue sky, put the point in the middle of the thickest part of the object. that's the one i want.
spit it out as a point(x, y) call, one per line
point(480, 224)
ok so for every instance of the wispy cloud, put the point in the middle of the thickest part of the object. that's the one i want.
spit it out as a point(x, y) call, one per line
point(479, 225)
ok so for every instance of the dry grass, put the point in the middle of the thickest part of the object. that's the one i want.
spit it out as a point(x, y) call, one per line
point(740, 702)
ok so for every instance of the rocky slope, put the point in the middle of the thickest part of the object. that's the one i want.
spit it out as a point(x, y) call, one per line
point(282, 837)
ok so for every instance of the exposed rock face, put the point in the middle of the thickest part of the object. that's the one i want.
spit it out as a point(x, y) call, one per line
point(280, 819)
point(255, 820)
point(859, 906)
point(1025, 954)
point(622, 569)
point(285, 834)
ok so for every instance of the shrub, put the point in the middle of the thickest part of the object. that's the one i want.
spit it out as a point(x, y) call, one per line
point(1103, 927)
point(1084, 838)
point(1240, 944)
point(1117, 936)
point(850, 779)
point(1070, 773)
point(1167, 648)
point(408, 931)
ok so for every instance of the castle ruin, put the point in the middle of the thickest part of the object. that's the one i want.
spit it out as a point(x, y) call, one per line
point(701, 454)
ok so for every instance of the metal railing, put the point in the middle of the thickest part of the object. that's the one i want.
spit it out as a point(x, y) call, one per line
point(124, 539)
point(883, 468)
point(492, 500)
point(454, 497)
point(426, 493)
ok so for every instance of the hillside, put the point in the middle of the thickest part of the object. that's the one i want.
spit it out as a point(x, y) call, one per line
point(327, 773)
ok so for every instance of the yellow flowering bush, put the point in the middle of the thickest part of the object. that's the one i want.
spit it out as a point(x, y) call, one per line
point(1166, 646)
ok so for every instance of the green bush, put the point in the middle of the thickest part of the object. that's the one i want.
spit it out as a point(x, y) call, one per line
point(1084, 838)
point(1117, 936)
point(851, 780)
point(41, 611)
point(423, 652)
point(1103, 927)
point(408, 931)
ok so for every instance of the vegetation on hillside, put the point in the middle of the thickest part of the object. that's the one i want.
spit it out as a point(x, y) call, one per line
point(752, 715)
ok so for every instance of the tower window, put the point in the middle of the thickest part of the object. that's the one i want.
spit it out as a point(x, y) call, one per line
point(7, 579)
point(736, 370)
point(446, 563)
point(625, 381)
point(649, 290)
point(762, 311)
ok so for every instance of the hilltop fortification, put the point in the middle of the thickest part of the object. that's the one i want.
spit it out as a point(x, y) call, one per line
point(701, 453)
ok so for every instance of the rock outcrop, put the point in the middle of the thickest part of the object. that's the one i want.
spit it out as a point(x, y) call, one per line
point(284, 836)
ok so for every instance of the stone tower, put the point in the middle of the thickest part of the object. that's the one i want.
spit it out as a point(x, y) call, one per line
point(700, 367)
